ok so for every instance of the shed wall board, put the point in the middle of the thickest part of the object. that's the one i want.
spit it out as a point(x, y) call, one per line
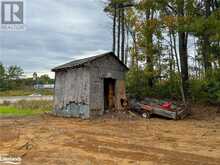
point(79, 92)
point(96, 92)
point(72, 90)
point(109, 67)
point(106, 67)
point(120, 91)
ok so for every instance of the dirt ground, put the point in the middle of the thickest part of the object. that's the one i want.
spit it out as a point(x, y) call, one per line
point(49, 140)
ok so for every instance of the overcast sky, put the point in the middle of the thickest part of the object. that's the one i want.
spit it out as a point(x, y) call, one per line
point(57, 31)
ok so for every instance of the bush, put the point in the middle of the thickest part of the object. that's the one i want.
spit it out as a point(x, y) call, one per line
point(34, 105)
point(201, 91)
point(197, 92)
point(206, 90)
point(137, 85)
point(6, 103)
point(168, 89)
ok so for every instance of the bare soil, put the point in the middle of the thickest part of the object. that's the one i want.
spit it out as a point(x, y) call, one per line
point(108, 140)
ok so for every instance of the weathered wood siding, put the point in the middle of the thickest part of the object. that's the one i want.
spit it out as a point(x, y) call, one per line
point(72, 91)
point(106, 67)
point(79, 92)
point(120, 92)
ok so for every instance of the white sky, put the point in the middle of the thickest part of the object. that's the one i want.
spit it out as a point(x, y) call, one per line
point(56, 32)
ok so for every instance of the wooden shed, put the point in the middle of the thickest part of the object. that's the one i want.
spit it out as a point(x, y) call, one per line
point(88, 87)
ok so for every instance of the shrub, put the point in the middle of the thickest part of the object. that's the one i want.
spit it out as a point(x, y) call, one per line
point(34, 105)
point(137, 83)
point(200, 90)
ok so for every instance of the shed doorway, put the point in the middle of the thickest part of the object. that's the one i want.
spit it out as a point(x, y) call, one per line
point(109, 94)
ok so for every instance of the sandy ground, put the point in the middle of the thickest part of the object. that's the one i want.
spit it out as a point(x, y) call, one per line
point(49, 140)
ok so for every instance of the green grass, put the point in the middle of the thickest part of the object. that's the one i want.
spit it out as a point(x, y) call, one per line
point(13, 111)
point(26, 108)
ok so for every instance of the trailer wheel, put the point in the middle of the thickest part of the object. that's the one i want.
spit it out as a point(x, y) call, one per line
point(146, 115)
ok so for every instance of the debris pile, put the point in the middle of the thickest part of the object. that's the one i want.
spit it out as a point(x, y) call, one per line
point(148, 106)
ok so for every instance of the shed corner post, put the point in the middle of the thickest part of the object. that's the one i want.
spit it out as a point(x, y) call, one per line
point(120, 93)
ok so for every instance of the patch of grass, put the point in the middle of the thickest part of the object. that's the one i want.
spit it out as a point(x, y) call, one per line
point(26, 92)
point(34, 105)
point(26, 108)
point(13, 111)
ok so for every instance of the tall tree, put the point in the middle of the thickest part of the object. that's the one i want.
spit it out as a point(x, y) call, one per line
point(123, 35)
point(148, 31)
point(114, 28)
point(14, 72)
point(119, 33)
point(116, 8)
point(2, 71)
point(132, 26)
point(183, 46)
point(205, 39)
point(2, 77)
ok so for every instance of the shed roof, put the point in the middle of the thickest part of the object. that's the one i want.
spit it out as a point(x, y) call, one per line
point(81, 62)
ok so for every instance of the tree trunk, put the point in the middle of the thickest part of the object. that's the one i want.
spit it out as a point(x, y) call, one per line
point(134, 57)
point(114, 30)
point(183, 40)
point(149, 59)
point(123, 35)
point(127, 47)
point(171, 58)
point(149, 49)
point(205, 53)
point(205, 41)
point(119, 32)
point(178, 66)
point(216, 3)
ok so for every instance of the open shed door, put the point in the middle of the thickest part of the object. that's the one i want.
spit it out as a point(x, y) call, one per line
point(109, 93)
